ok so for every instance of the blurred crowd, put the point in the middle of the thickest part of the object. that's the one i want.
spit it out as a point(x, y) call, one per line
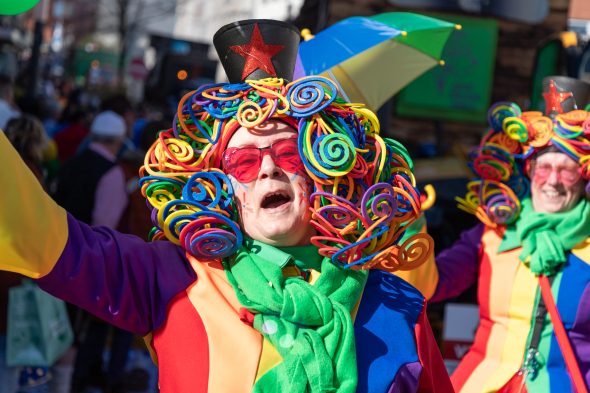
point(85, 150)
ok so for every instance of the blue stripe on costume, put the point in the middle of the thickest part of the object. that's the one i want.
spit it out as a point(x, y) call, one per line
point(574, 280)
point(384, 330)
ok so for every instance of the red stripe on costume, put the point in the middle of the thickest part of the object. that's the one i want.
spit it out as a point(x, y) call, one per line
point(183, 349)
point(433, 377)
point(477, 351)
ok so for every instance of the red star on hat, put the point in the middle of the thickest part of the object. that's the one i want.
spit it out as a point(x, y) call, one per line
point(554, 99)
point(257, 54)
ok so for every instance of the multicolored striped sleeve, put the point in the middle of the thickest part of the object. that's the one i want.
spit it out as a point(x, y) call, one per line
point(458, 265)
point(119, 278)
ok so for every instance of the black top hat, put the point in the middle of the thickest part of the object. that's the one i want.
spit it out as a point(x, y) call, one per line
point(570, 93)
point(257, 49)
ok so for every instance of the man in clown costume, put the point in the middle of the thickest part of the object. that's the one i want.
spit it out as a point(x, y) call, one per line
point(279, 214)
point(530, 255)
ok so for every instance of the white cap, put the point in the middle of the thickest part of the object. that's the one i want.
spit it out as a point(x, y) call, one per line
point(108, 123)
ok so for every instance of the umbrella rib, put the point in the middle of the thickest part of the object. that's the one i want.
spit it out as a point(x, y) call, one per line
point(344, 46)
point(340, 88)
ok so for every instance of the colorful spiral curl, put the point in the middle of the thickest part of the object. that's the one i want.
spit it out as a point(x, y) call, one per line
point(412, 253)
point(210, 235)
point(160, 190)
point(493, 203)
point(492, 162)
point(516, 129)
point(499, 161)
point(577, 117)
point(540, 130)
point(308, 96)
point(353, 234)
point(512, 146)
point(500, 111)
point(198, 214)
point(364, 194)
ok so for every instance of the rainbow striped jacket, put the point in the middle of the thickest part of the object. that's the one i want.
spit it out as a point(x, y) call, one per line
point(507, 293)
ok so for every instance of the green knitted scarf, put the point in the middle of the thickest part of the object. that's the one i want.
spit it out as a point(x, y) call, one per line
point(309, 325)
point(547, 237)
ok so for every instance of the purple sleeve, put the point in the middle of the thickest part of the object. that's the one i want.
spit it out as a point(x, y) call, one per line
point(458, 265)
point(119, 278)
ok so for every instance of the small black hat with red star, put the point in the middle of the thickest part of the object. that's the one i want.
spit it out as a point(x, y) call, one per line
point(257, 49)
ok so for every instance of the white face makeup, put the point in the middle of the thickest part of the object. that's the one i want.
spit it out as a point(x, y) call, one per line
point(274, 207)
point(556, 185)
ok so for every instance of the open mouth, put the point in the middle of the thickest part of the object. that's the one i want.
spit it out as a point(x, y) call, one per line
point(275, 199)
point(551, 194)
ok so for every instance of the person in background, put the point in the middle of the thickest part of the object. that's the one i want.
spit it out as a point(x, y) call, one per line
point(135, 220)
point(120, 104)
point(28, 137)
point(8, 108)
point(72, 128)
point(92, 187)
point(531, 249)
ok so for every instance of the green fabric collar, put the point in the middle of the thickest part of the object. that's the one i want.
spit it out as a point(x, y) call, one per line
point(546, 238)
point(304, 257)
point(309, 325)
point(268, 253)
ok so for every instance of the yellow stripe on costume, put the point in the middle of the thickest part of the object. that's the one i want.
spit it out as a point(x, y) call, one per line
point(582, 250)
point(519, 316)
point(33, 228)
point(503, 271)
point(217, 304)
point(269, 358)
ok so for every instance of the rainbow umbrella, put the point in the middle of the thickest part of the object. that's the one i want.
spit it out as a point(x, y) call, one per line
point(374, 57)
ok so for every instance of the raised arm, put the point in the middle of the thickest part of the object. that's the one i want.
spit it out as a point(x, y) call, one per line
point(119, 278)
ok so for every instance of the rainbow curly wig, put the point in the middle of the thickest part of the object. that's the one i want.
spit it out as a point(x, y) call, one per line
point(364, 193)
point(500, 161)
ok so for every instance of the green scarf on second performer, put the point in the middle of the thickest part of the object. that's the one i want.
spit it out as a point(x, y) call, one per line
point(546, 238)
point(309, 325)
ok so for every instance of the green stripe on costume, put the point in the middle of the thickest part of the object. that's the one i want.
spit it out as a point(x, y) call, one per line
point(541, 383)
